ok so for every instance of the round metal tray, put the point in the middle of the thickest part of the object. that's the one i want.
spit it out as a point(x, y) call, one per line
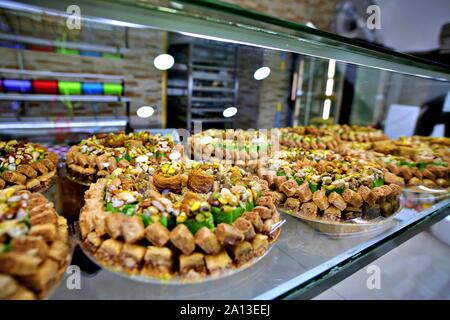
point(176, 279)
point(43, 187)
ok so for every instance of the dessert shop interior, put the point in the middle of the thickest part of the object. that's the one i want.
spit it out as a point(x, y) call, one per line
point(363, 115)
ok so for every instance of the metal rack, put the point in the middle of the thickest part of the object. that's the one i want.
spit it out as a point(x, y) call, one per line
point(202, 84)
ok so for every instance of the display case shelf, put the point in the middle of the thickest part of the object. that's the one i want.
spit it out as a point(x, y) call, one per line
point(212, 120)
point(201, 76)
point(201, 99)
point(213, 89)
point(42, 127)
point(303, 262)
point(207, 109)
point(221, 21)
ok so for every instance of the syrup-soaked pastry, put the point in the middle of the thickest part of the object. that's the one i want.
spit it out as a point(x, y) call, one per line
point(34, 245)
point(185, 228)
point(25, 165)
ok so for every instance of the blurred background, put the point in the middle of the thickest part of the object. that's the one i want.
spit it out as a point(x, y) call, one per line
point(59, 85)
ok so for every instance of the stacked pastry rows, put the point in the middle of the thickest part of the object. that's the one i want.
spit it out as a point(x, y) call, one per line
point(416, 161)
point(99, 155)
point(34, 245)
point(334, 172)
point(190, 220)
point(238, 147)
point(250, 148)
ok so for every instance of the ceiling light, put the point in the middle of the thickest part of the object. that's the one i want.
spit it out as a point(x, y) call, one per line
point(261, 73)
point(329, 88)
point(176, 5)
point(163, 61)
point(145, 112)
point(229, 112)
point(326, 109)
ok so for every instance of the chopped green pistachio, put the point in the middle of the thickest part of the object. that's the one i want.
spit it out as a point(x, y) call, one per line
point(165, 167)
point(299, 180)
point(377, 183)
point(109, 207)
point(146, 220)
point(129, 209)
point(163, 220)
point(313, 187)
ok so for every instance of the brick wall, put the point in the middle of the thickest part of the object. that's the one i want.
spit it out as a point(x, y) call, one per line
point(258, 100)
point(275, 89)
point(143, 83)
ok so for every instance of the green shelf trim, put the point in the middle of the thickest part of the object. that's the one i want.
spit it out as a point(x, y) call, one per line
point(69, 87)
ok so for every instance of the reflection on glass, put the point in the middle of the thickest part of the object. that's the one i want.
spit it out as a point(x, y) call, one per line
point(326, 109)
point(163, 61)
point(261, 73)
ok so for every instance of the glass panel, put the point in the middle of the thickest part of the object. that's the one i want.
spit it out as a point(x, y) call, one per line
point(300, 254)
point(60, 85)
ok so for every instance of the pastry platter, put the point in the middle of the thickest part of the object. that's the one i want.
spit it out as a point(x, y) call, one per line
point(183, 222)
point(353, 228)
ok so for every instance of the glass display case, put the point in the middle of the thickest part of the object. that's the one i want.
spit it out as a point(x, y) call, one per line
point(71, 69)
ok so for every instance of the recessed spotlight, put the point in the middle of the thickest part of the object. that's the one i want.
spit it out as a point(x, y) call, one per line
point(261, 73)
point(145, 112)
point(163, 61)
point(331, 68)
point(329, 87)
point(229, 112)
